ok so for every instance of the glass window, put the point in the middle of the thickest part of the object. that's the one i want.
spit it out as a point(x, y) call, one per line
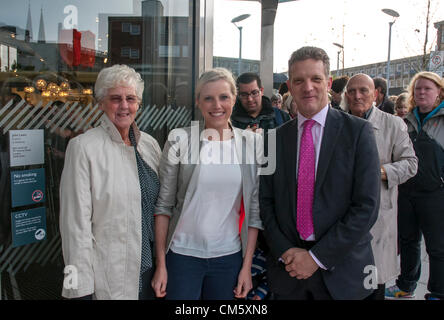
point(135, 29)
point(405, 83)
point(406, 67)
point(135, 54)
point(125, 52)
point(50, 55)
point(126, 27)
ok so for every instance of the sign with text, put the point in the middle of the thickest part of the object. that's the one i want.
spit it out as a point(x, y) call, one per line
point(27, 187)
point(28, 226)
point(437, 62)
point(26, 147)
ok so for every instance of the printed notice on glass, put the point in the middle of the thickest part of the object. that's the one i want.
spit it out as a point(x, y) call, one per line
point(26, 147)
point(28, 226)
point(27, 187)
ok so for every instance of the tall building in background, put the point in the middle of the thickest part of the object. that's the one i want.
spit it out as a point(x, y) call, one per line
point(29, 35)
point(42, 37)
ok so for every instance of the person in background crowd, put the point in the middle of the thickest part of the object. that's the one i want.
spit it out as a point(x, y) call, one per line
point(337, 90)
point(401, 105)
point(207, 214)
point(276, 101)
point(108, 191)
point(320, 203)
point(421, 198)
point(260, 289)
point(393, 98)
point(382, 101)
point(253, 110)
point(398, 164)
point(283, 88)
point(286, 100)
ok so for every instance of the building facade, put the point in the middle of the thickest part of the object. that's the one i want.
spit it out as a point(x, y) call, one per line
point(402, 70)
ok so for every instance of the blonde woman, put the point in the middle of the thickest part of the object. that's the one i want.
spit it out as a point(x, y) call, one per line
point(207, 215)
point(421, 199)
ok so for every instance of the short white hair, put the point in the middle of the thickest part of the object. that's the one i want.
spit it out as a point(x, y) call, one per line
point(115, 76)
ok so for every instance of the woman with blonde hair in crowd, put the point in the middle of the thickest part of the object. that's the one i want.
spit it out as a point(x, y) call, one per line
point(207, 214)
point(421, 198)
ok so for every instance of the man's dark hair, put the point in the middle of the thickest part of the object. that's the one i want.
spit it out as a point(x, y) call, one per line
point(283, 88)
point(339, 84)
point(381, 84)
point(248, 77)
point(314, 53)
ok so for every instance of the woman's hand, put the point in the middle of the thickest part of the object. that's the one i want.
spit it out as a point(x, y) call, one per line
point(244, 283)
point(159, 282)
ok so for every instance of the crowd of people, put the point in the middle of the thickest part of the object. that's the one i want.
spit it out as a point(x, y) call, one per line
point(355, 180)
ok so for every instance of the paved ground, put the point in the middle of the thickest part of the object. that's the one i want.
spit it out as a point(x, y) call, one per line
point(421, 289)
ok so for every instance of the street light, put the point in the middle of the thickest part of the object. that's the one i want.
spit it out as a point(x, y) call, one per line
point(233, 21)
point(395, 15)
point(341, 48)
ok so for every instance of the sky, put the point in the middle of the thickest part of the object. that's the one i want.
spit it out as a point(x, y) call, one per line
point(360, 26)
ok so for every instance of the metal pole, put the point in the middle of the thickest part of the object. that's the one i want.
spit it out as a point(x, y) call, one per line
point(388, 58)
point(337, 65)
point(240, 50)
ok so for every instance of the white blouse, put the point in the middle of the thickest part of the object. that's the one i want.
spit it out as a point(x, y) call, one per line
point(209, 226)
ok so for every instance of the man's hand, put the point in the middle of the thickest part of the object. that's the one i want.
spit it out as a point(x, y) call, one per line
point(299, 263)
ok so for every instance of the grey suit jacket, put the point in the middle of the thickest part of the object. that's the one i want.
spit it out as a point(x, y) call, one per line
point(178, 173)
point(397, 156)
point(345, 207)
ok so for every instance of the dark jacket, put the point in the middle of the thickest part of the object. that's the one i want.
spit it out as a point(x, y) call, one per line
point(342, 217)
point(265, 120)
point(387, 106)
point(428, 142)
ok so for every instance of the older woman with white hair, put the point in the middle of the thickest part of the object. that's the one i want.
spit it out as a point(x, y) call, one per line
point(108, 191)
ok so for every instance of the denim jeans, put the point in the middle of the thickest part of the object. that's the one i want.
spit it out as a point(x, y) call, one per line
point(421, 214)
point(191, 278)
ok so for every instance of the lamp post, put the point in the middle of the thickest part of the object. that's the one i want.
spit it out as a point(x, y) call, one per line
point(395, 15)
point(341, 48)
point(234, 21)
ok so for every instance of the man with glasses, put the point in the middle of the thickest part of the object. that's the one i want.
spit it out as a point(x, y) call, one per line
point(253, 110)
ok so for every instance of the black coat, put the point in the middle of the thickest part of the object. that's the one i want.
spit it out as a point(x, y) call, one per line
point(387, 106)
point(265, 120)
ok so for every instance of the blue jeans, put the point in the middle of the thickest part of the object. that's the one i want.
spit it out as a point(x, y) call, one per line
point(191, 278)
point(421, 214)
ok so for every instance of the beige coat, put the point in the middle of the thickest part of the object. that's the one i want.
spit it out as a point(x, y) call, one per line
point(397, 156)
point(179, 177)
point(100, 212)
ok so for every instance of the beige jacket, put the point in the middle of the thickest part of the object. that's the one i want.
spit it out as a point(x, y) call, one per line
point(178, 177)
point(100, 212)
point(398, 158)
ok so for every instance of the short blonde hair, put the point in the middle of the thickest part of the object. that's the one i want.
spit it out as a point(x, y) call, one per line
point(115, 76)
point(429, 76)
point(215, 75)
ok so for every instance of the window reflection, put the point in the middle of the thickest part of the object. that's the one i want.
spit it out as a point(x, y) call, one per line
point(50, 54)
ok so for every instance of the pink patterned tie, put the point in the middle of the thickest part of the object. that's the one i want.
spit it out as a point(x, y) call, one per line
point(306, 182)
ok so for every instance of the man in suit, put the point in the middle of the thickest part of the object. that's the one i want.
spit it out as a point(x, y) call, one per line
point(398, 164)
point(321, 201)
